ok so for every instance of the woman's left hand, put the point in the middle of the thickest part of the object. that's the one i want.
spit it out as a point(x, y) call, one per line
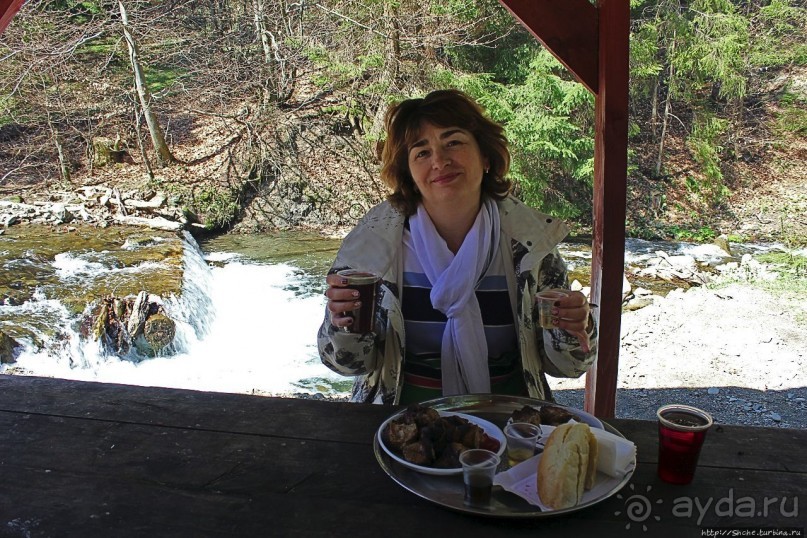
point(570, 313)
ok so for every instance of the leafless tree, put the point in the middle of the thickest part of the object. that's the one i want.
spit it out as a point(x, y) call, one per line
point(155, 130)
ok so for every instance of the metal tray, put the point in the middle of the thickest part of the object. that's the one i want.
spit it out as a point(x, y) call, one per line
point(449, 491)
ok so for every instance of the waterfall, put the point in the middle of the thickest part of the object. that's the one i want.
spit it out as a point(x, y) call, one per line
point(242, 324)
point(193, 311)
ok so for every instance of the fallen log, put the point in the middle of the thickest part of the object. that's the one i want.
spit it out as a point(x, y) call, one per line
point(158, 223)
point(155, 203)
point(159, 331)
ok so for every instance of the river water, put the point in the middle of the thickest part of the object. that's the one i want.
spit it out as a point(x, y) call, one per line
point(247, 307)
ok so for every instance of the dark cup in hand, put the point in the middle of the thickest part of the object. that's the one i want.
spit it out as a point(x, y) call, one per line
point(366, 284)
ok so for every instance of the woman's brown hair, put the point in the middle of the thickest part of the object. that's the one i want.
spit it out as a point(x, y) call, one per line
point(443, 108)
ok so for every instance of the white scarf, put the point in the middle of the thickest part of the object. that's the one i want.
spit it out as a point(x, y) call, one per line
point(464, 353)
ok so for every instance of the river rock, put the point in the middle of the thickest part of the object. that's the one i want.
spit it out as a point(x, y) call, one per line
point(153, 203)
point(748, 269)
point(637, 302)
point(97, 205)
point(722, 241)
point(626, 287)
point(159, 223)
point(60, 214)
point(674, 268)
point(8, 347)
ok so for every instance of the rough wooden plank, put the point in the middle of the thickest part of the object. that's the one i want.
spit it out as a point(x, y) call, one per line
point(170, 482)
point(610, 188)
point(711, 500)
point(593, 43)
point(567, 28)
point(186, 408)
point(764, 448)
point(187, 460)
point(83, 474)
point(124, 511)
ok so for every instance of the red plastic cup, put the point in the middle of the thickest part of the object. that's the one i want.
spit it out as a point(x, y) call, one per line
point(367, 286)
point(681, 431)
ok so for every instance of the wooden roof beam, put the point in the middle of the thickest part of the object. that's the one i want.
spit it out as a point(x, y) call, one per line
point(568, 29)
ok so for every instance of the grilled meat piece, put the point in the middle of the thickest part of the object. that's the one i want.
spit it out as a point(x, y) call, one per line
point(527, 414)
point(450, 457)
point(422, 416)
point(469, 435)
point(397, 434)
point(420, 452)
point(423, 437)
point(550, 415)
point(555, 416)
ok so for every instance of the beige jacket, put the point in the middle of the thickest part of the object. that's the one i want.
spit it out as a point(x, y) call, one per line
point(376, 358)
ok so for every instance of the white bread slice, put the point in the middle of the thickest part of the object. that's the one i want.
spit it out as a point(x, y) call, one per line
point(568, 466)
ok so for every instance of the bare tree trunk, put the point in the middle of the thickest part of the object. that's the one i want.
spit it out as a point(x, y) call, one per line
point(263, 35)
point(280, 79)
point(157, 137)
point(143, 153)
point(260, 28)
point(654, 103)
point(64, 165)
point(392, 58)
point(667, 106)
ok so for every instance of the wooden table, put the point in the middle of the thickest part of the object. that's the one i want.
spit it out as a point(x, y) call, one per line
point(89, 459)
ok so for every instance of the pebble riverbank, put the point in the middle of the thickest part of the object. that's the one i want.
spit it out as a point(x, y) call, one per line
point(736, 351)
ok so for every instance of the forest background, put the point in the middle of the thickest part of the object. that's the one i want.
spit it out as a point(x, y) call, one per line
point(255, 115)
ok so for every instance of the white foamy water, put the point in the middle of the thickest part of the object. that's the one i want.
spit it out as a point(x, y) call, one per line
point(241, 327)
point(638, 251)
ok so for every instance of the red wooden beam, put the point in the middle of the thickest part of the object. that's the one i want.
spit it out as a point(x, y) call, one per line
point(592, 42)
point(8, 8)
point(567, 28)
point(610, 188)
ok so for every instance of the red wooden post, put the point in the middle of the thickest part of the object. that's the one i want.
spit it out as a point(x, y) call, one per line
point(610, 187)
point(587, 39)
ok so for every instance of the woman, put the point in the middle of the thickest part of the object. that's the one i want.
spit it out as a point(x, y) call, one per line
point(461, 261)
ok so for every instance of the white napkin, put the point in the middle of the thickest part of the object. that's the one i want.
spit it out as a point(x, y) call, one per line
point(616, 454)
point(522, 481)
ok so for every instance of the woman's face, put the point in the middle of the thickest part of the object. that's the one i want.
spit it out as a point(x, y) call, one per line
point(447, 165)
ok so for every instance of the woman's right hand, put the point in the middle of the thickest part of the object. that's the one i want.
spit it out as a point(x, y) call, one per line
point(341, 301)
